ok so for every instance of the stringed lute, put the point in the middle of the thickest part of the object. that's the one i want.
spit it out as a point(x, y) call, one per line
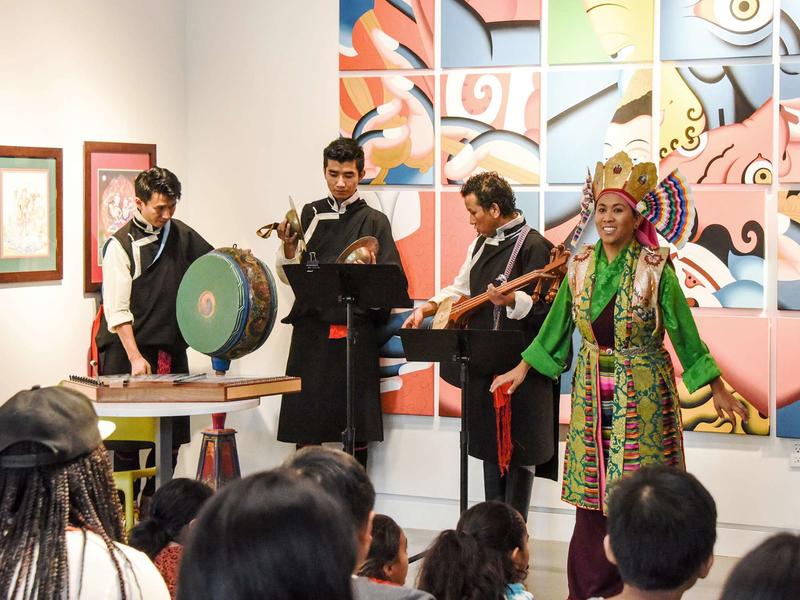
point(454, 315)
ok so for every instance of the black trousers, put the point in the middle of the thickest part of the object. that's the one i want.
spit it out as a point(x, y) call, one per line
point(514, 488)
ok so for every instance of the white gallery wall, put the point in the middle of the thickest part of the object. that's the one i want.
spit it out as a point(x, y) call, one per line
point(71, 72)
point(240, 98)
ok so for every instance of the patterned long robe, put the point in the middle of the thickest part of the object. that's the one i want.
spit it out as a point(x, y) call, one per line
point(646, 425)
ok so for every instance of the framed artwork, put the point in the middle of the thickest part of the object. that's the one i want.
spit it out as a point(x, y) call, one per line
point(109, 171)
point(30, 214)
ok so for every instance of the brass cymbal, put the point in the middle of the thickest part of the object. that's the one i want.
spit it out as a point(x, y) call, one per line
point(360, 250)
point(294, 224)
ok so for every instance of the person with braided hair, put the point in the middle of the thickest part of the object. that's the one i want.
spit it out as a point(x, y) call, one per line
point(61, 528)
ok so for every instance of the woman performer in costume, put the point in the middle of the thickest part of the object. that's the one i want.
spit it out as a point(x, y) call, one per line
point(622, 295)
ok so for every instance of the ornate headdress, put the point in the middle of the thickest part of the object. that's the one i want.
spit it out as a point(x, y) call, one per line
point(667, 206)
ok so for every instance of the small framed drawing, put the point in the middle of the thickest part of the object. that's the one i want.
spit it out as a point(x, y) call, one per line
point(30, 214)
point(109, 172)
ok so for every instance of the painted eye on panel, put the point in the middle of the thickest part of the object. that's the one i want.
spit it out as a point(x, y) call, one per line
point(694, 147)
point(737, 16)
point(759, 171)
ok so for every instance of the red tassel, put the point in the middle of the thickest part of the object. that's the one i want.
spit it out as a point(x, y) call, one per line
point(337, 332)
point(164, 365)
point(502, 412)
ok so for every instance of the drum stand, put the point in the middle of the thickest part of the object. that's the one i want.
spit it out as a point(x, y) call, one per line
point(219, 459)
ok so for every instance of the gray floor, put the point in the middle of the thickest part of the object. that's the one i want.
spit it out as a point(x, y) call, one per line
point(548, 575)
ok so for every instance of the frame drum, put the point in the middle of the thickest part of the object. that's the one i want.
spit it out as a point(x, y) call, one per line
point(227, 303)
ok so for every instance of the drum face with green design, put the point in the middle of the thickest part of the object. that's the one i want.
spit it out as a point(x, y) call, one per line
point(227, 303)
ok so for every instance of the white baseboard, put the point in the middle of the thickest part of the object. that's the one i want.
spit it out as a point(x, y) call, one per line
point(545, 523)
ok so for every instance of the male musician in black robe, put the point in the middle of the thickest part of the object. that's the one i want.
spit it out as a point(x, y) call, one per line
point(502, 232)
point(143, 264)
point(317, 352)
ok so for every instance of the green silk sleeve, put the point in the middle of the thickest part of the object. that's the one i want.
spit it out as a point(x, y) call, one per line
point(549, 351)
point(699, 367)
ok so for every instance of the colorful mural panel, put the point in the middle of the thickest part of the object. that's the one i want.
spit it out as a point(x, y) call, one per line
point(392, 119)
point(716, 123)
point(490, 122)
point(593, 31)
point(487, 33)
point(412, 215)
point(385, 34)
point(722, 265)
point(713, 29)
point(457, 233)
point(725, 338)
point(790, 28)
point(787, 383)
point(789, 122)
point(591, 115)
point(789, 250)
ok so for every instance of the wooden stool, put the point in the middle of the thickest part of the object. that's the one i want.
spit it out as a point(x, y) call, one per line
point(219, 460)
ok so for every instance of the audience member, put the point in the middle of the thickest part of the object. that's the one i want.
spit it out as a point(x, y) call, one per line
point(345, 479)
point(270, 535)
point(387, 560)
point(486, 556)
point(454, 569)
point(172, 509)
point(661, 532)
point(60, 519)
point(771, 571)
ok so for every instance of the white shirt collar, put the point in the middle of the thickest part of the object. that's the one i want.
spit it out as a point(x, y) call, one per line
point(143, 224)
point(341, 208)
point(500, 234)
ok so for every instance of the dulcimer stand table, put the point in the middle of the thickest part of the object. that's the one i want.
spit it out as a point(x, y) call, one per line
point(166, 396)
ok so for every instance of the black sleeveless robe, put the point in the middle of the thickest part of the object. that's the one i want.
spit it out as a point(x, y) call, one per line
point(534, 405)
point(317, 414)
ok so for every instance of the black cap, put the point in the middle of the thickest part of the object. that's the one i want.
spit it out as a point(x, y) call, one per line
point(62, 420)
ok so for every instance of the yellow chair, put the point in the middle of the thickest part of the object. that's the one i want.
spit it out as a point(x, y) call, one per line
point(132, 429)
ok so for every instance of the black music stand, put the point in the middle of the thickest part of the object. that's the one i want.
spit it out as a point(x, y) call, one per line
point(485, 351)
point(366, 286)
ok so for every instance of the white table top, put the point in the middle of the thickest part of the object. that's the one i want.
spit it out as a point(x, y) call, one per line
point(170, 409)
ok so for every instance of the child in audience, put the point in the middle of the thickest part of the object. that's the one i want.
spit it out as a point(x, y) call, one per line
point(661, 532)
point(485, 558)
point(341, 476)
point(771, 571)
point(387, 560)
point(173, 507)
